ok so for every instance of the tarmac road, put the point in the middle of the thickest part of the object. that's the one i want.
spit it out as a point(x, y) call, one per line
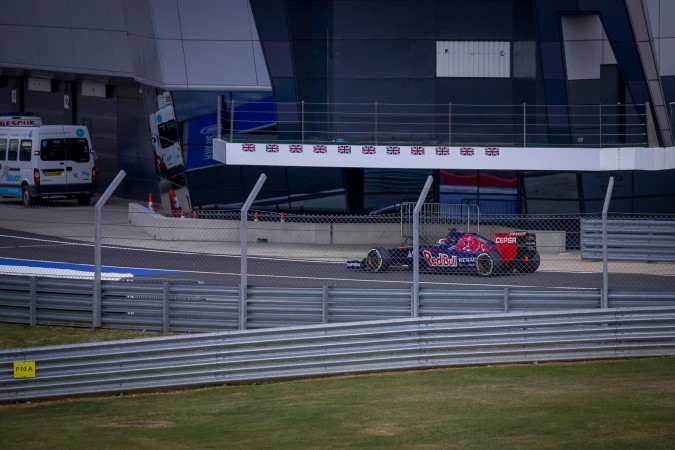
point(64, 232)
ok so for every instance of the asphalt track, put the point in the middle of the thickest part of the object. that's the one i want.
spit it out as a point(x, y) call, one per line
point(280, 271)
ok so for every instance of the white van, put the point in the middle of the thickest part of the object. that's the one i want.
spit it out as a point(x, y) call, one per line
point(45, 161)
point(168, 153)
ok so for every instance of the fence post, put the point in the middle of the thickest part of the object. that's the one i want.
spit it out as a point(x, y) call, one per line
point(324, 305)
point(449, 124)
point(415, 309)
point(605, 278)
point(219, 117)
point(375, 123)
point(600, 125)
point(525, 124)
point(33, 301)
point(232, 120)
point(166, 328)
point(243, 285)
point(96, 306)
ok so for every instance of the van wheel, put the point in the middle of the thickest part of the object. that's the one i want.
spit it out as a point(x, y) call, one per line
point(83, 200)
point(26, 198)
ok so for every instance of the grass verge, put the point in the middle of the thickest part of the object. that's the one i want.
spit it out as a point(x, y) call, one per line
point(604, 404)
point(21, 336)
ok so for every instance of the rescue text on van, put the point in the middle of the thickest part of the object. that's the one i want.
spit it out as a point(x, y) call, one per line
point(44, 161)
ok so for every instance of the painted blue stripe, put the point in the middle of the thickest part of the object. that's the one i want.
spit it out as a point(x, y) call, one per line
point(82, 267)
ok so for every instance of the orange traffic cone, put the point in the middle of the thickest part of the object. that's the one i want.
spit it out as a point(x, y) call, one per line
point(255, 216)
point(182, 214)
point(281, 217)
point(194, 215)
point(150, 202)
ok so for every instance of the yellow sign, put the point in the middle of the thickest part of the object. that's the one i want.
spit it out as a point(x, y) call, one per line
point(54, 173)
point(24, 369)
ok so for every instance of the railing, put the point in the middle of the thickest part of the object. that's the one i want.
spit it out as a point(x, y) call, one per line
point(629, 239)
point(245, 356)
point(452, 124)
point(179, 306)
point(437, 218)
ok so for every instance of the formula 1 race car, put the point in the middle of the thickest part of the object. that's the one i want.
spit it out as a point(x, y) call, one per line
point(460, 253)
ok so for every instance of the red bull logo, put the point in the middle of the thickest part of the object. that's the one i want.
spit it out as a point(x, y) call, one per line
point(441, 260)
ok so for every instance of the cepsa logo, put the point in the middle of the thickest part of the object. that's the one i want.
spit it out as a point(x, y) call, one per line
point(506, 240)
point(18, 123)
point(442, 260)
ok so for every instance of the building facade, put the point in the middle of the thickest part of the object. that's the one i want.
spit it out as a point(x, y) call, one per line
point(147, 78)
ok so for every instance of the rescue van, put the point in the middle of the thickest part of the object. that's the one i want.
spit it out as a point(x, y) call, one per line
point(45, 161)
point(164, 130)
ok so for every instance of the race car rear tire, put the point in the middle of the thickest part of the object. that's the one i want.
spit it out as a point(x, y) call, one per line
point(488, 264)
point(531, 265)
point(377, 259)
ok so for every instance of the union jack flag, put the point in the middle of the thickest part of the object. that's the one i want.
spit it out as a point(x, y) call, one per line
point(345, 149)
point(368, 149)
point(491, 151)
point(272, 148)
point(295, 148)
point(417, 150)
point(442, 151)
point(466, 151)
point(393, 150)
point(320, 149)
point(248, 147)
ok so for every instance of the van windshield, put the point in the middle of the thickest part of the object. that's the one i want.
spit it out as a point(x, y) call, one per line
point(168, 134)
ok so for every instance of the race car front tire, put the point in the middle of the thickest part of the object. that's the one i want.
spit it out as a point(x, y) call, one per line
point(377, 259)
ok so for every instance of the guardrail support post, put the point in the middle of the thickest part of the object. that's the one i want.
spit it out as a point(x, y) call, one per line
point(96, 306)
point(166, 327)
point(604, 301)
point(33, 301)
point(243, 285)
point(506, 299)
point(324, 305)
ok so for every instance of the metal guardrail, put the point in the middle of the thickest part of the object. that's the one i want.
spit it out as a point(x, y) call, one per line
point(282, 353)
point(629, 240)
point(163, 306)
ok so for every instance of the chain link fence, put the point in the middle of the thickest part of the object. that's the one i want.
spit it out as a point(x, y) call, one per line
point(302, 250)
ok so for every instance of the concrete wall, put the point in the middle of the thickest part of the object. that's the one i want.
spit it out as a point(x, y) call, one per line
point(372, 234)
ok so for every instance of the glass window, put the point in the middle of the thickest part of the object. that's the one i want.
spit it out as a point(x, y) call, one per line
point(13, 150)
point(77, 150)
point(168, 134)
point(26, 147)
point(3, 149)
point(52, 150)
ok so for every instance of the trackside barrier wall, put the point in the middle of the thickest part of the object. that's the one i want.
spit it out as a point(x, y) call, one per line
point(356, 347)
point(164, 306)
point(629, 239)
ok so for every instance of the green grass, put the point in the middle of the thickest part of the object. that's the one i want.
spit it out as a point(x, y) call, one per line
point(623, 404)
point(20, 336)
point(606, 404)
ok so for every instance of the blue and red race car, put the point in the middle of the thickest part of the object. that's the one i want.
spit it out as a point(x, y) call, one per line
point(460, 253)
